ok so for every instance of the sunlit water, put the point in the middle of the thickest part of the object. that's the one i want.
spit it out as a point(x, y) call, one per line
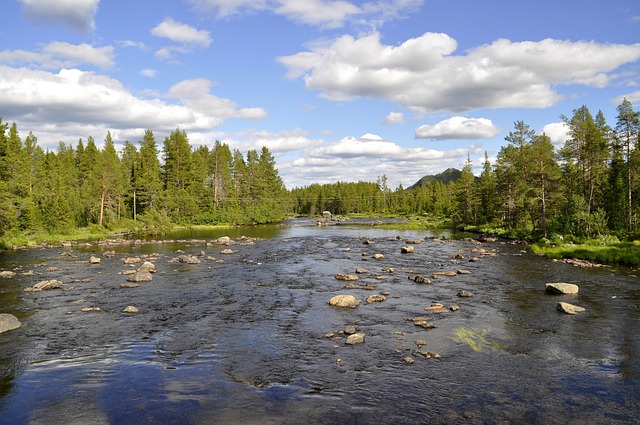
point(243, 341)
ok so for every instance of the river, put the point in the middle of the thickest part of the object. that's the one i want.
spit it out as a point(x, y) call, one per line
point(244, 337)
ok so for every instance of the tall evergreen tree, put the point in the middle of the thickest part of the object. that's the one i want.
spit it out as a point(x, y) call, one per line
point(628, 133)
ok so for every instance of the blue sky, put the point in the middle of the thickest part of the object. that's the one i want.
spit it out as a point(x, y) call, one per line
point(338, 90)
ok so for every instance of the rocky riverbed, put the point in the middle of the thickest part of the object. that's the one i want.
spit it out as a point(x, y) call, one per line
point(319, 328)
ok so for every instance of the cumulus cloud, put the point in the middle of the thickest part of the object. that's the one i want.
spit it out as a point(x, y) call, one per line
point(424, 73)
point(458, 128)
point(558, 132)
point(76, 14)
point(58, 54)
point(367, 157)
point(71, 99)
point(181, 33)
point(393, 118)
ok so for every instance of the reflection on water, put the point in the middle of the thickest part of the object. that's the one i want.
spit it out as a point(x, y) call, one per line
point(244, 340)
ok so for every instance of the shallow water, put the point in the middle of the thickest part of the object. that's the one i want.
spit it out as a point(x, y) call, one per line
point(243, 341)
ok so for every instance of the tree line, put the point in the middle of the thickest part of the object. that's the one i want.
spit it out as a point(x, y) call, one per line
point(75, 187)
point(588, 187)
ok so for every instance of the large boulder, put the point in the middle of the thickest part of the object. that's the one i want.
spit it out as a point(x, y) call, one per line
point(569, 308)
point(561, 288)
point(8, 322)
point(347, 301)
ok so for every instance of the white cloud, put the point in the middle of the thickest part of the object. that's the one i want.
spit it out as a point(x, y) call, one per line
point(182, 33)
point(558, 132)
point(458, 128)
point(150, 73)
point(77, 14)
point(64, 105)
point(366, 158)
point(394, 118)
point(323, 13)
point(224, 8)
point(425, 75)
point(58, 54)
point(633, 97)
point(210, 110)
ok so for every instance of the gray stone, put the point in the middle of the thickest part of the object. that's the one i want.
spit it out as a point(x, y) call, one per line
point(569, 308)
point(8, 322)
point(561, 288)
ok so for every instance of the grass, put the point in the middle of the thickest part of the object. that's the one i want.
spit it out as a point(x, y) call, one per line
point(595, 250)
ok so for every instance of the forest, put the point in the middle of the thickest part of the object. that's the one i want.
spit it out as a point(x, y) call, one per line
point(589, 187)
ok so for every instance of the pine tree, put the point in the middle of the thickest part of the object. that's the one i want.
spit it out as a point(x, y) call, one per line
point(628, 133)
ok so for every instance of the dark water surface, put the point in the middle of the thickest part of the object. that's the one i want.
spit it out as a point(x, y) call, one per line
point(243, 341)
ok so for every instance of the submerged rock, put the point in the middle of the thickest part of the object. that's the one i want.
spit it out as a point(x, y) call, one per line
point(348, 301)
point(9, 322)
point(569, 308)
point(561, 288)
point(463, 293)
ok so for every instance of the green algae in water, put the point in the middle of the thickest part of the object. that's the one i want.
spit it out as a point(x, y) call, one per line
point(475, 338)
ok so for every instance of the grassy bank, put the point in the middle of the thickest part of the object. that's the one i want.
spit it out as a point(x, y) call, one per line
point(605, 251)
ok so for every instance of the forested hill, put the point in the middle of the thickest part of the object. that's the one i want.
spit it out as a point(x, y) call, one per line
point(447, 176)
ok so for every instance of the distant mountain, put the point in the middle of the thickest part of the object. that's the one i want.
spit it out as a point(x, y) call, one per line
point(447, 176)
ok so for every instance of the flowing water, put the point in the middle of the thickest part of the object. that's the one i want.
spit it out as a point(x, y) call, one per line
point(244, 340)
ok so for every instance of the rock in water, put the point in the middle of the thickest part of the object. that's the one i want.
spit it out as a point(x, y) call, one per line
point(130, 309)
point(561, 288)
point(375, 299)
point(569, 308)
point(140, 277)
point(348, 301)
point(94, 260)
point(45, 285)
point(357, 338)
point(407, 249)
point(8, 322)
point(147, 266)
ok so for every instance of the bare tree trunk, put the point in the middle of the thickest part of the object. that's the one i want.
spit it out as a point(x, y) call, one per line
point(101, 207)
